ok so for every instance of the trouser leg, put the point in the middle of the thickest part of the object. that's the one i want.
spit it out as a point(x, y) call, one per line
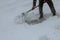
point(41, 9)
point(50, 3)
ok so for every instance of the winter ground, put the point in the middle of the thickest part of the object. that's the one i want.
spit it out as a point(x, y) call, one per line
point(9, 30)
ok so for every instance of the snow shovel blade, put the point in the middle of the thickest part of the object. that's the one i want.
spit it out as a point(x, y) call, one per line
point(26, 12)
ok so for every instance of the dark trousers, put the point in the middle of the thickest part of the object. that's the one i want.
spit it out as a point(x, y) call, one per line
point(50, 3)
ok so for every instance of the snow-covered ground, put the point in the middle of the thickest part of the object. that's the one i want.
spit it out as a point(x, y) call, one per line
point(9, 30)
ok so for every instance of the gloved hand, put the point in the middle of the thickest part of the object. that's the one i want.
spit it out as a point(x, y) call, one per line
point(33, 8)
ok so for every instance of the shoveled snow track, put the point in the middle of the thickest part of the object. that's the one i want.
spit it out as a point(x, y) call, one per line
point(29, 19)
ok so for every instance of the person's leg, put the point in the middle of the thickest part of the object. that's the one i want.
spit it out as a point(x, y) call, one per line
point(40, 9)
point(50, 3)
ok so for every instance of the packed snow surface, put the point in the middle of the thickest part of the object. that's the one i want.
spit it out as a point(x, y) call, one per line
point(9, 30)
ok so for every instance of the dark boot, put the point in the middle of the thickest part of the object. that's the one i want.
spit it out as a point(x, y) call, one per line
point(41, 16)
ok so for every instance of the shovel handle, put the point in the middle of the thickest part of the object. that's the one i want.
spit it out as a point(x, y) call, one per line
point(31, 9)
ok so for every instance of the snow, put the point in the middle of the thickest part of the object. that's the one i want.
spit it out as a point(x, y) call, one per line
point(9, 30)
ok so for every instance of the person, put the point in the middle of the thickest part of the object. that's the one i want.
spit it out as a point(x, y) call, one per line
point(41, 2)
